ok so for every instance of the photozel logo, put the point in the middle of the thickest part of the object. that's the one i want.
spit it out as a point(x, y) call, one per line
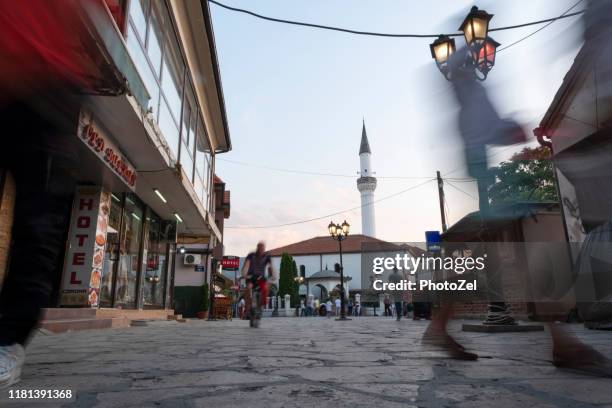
point(425, 284)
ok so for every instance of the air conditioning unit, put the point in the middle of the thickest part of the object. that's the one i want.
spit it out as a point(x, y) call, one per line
point(192, 259)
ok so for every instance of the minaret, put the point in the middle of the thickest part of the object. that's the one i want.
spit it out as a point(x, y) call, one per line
point(366, 184)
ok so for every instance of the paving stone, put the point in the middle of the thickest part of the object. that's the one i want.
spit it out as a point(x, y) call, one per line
point(289, 362)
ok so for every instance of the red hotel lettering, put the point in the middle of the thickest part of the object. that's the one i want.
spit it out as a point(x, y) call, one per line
point(81, 238)
point(78, 258)
point(83, 222)
point(86, 204)
point(73, 279)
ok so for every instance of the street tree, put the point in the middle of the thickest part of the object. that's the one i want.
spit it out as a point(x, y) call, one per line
point(287, 275)
point(527, 176)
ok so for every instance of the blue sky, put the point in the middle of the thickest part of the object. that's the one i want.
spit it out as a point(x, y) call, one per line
point(296, 96)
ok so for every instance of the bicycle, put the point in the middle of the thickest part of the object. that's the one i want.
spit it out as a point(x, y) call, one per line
point(255, 310)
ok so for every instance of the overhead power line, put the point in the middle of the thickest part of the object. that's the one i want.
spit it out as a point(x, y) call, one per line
point(550, 21)
point(333, 214)
point(325, 174)
point(377, 34)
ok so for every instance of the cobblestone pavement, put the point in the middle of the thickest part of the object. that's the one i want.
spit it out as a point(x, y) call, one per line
point(291, 362)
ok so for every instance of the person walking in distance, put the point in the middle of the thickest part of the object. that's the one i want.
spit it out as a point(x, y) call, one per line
point(397, 295)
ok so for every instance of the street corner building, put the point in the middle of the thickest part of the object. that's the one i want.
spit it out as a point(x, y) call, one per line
point(577, 128)
point(119, 107)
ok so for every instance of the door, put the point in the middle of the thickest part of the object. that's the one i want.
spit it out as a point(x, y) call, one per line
point(111, 255)
point(130, 241)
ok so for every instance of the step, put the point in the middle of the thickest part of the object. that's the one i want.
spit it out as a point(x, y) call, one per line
point(68, 313)
point(60, 326)
point(134, 314)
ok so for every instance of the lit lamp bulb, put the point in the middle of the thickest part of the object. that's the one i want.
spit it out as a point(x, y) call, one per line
point(475, 27)
point(441, 50)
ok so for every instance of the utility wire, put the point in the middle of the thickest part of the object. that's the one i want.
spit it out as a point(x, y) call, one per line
point(461, 190)
point(333, 214)
point(316, 173)
point(550, 21)
point(377, 34)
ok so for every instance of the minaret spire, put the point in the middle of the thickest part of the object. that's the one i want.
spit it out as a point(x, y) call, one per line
point(365, 145)
point(366, 184)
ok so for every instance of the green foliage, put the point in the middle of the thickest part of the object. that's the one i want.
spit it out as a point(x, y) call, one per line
point(205, 303)
point(527, 176)
point(287, 275)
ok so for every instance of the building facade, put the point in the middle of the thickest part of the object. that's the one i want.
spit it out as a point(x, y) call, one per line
point(136, 151)
point(577, 127)
point(318, 257)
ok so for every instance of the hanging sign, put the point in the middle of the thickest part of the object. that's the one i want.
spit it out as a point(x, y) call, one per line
point(98, 142)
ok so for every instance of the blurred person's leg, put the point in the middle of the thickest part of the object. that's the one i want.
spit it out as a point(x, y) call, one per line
point(42, 209)
point(437, 334)
point(38, 158)
point(571, 353)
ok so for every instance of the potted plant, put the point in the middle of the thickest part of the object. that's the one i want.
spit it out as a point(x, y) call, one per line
point(205, 302)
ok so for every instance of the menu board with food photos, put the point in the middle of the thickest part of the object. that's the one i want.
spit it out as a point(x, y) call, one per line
point(84, 259)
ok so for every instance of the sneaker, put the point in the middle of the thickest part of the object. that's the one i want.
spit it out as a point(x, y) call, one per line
point(11, 360)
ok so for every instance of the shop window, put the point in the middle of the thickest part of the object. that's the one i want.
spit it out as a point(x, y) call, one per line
point(111, 256)
point(169, 127)
point(172, 75)
point(156, 266)
point(187, 162)
point(198, 185)
point(138, 14)
point(154, 45)
point(136, 50)
point(129, 253)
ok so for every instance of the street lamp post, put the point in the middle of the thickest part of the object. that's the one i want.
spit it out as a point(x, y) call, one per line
point(476, 62)
point(339, 233)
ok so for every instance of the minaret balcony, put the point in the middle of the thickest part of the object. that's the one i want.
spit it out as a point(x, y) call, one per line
point(366, 183)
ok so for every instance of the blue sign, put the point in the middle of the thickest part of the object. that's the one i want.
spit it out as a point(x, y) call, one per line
point(199, 268)
point(432, 238)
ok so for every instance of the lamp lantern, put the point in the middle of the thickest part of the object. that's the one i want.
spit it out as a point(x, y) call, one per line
point(332, 229)
point(345, 227)
point(475, 27)
point(441, 50)
point(484, 57)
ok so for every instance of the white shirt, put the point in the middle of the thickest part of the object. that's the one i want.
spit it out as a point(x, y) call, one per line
point(328, 306)
point(338, 303)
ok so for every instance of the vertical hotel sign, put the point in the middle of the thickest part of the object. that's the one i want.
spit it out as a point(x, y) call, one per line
point(86, 247)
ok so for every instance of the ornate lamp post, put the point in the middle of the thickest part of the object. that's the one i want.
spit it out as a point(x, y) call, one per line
point(475, 62)
point(480, 55)
point(339, 233)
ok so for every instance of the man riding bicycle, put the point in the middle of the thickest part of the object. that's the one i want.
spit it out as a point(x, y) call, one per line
point(254, 271)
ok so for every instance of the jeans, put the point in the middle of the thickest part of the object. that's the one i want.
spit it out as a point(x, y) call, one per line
point(399, 310)
point(39, 164)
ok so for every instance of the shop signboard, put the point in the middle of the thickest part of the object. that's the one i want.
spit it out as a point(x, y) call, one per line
point(83, 264)
point(432, 238)
point(102, 146)
point(230, 263)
